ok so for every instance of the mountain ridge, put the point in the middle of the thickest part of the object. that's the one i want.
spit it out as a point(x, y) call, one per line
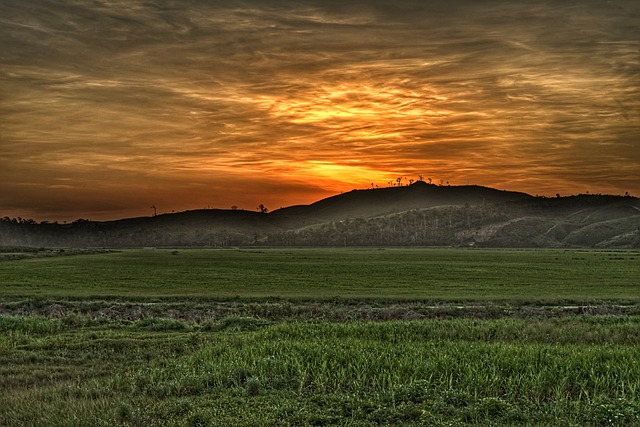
point(417, 215)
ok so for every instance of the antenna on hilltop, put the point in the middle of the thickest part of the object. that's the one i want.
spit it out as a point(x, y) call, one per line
point(154, 210)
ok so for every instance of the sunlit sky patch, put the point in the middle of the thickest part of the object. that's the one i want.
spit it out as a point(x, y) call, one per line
point(108, 107)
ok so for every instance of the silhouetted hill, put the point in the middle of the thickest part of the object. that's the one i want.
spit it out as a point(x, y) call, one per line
point(384, 201)
point(417, 215)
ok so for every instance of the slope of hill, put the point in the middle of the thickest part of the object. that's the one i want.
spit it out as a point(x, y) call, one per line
point(417, 215)
point(508, 224)
point(384, 201)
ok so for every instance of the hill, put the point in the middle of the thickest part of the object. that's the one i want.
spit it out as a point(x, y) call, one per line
point(384, 201)
point(418, 215)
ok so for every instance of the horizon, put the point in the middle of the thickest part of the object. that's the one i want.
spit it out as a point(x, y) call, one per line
point(391, 185)
point(110, 108)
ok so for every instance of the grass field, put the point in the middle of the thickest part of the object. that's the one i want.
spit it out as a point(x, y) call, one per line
point(415, 274)
point(417, 337)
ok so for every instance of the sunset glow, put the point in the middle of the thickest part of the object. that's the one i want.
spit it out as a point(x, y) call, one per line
point(110, 107)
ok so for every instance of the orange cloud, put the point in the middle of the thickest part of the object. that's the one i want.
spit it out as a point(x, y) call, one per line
point(107, 110)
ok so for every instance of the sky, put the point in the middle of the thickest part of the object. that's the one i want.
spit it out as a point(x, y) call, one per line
point(108, 107)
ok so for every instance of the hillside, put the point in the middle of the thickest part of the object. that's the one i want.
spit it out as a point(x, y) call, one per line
point(385, 201)
point(417, 215)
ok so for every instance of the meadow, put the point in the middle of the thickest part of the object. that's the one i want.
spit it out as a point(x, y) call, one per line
point(314, 337)
point(396, 274)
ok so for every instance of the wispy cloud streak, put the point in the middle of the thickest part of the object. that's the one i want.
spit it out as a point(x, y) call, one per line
point(196, 103)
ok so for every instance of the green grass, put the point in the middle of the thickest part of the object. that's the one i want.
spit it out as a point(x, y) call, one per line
point(309, 337)
point(79, 371)
point(416, 274)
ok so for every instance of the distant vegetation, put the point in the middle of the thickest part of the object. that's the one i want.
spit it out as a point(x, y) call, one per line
point(419, 214)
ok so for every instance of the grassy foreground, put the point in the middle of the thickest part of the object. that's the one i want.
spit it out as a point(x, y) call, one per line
point(80, 371)
point(320, 337)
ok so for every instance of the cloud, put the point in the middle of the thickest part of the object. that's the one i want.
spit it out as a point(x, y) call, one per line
point(534, 95)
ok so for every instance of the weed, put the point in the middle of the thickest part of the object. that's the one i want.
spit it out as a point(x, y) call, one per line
point(198, 420)
point(237, 324)
point(161, 324)
point(124, 413)
point(252, 386)
point(617, 412)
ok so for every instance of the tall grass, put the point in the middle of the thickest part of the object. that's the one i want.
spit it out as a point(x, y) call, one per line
point(240, 371)
point(376, 358)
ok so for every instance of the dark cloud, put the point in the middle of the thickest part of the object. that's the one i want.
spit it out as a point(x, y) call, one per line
point(159, 97)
